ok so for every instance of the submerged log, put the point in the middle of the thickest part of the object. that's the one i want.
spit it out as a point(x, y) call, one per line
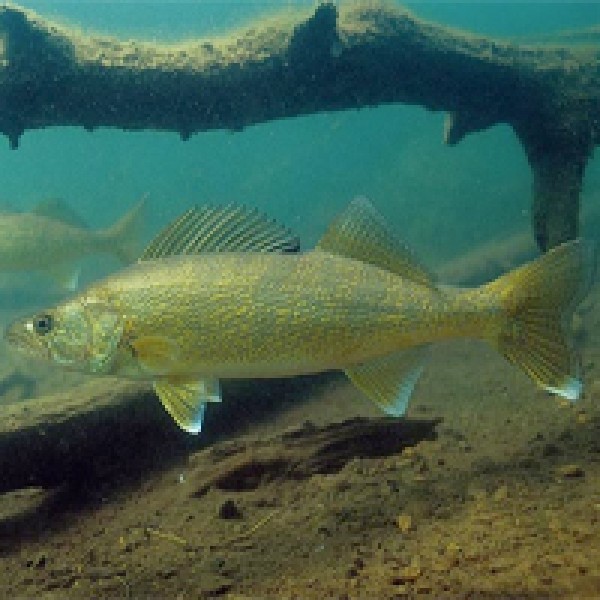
point(47, 441)
point(306, 451)
point(114, 430)
point(294, 64)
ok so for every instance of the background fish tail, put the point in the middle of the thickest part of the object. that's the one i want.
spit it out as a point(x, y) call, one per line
point(538, 300)
point(123, 238)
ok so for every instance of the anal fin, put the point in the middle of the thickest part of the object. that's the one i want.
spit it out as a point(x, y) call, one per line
point(186, 401)
point(389, 381)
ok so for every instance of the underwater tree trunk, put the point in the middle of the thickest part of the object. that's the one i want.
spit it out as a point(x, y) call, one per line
point(47, 441)
point(558, 158)
point(295, 64)
point(119, 430)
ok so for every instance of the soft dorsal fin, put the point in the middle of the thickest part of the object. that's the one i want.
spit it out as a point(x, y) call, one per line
point(360, 233)
point(229, 228)
point(58, 210)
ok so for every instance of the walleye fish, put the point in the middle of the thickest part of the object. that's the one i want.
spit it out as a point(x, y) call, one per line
point(53, 237)
point(222, 293)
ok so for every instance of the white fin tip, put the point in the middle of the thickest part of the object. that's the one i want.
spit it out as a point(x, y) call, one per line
point(571, 390)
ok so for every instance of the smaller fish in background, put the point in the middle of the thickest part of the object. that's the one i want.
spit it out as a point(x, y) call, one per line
point(52, 238)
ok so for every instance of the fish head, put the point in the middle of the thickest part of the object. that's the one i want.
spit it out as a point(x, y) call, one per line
point(78, 335)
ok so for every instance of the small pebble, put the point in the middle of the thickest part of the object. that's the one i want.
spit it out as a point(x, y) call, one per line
point(229, 510)
point(551, 449)
point(39, 562)
point(501, 493)
point(452, 548)
point(571, 471)
point(410, 573)
point(404, 523)
point(465, 446)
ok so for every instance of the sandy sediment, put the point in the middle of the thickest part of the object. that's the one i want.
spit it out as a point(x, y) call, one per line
point(489, 488)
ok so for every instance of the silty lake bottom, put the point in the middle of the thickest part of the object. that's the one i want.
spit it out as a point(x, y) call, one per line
point(489, 488)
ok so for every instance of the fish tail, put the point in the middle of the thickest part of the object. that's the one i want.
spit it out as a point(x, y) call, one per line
point(538, 301)
point(123, 238)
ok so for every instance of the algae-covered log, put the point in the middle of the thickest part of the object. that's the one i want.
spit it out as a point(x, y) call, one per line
point(53, 439)
point(118, 430)
point(294, 64)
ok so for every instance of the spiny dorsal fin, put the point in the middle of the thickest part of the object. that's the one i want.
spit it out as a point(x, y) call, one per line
point(58, 210)
point(229, 228)
point(360, 233)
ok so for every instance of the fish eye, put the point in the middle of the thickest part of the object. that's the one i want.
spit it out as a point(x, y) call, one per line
point(42, 324)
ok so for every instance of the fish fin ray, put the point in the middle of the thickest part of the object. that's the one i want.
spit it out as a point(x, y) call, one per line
point(185, 402)
point(538, 301)
point(229, 228)
point(389, 381)
point(361, 233)
point(208, 388)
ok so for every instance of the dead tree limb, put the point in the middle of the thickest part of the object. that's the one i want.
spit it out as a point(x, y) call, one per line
point(290, 65)
point(118, 430)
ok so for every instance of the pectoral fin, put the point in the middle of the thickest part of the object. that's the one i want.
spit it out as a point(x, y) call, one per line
point(156, 354)
point(389, 381)
point(186, 402)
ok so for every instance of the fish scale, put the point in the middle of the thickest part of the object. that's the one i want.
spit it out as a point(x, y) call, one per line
point(267, 310)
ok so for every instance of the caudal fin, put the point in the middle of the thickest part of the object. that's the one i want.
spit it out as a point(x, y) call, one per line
point(125, 235)
point(538, 301)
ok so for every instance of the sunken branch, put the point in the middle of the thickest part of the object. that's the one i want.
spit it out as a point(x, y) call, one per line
point(293, 64)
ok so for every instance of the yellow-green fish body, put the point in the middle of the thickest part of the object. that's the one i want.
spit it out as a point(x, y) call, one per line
point(271, 315)
point(220, 293)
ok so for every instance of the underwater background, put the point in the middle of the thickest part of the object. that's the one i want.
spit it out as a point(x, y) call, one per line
point(300, 488)
point(302, 171)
